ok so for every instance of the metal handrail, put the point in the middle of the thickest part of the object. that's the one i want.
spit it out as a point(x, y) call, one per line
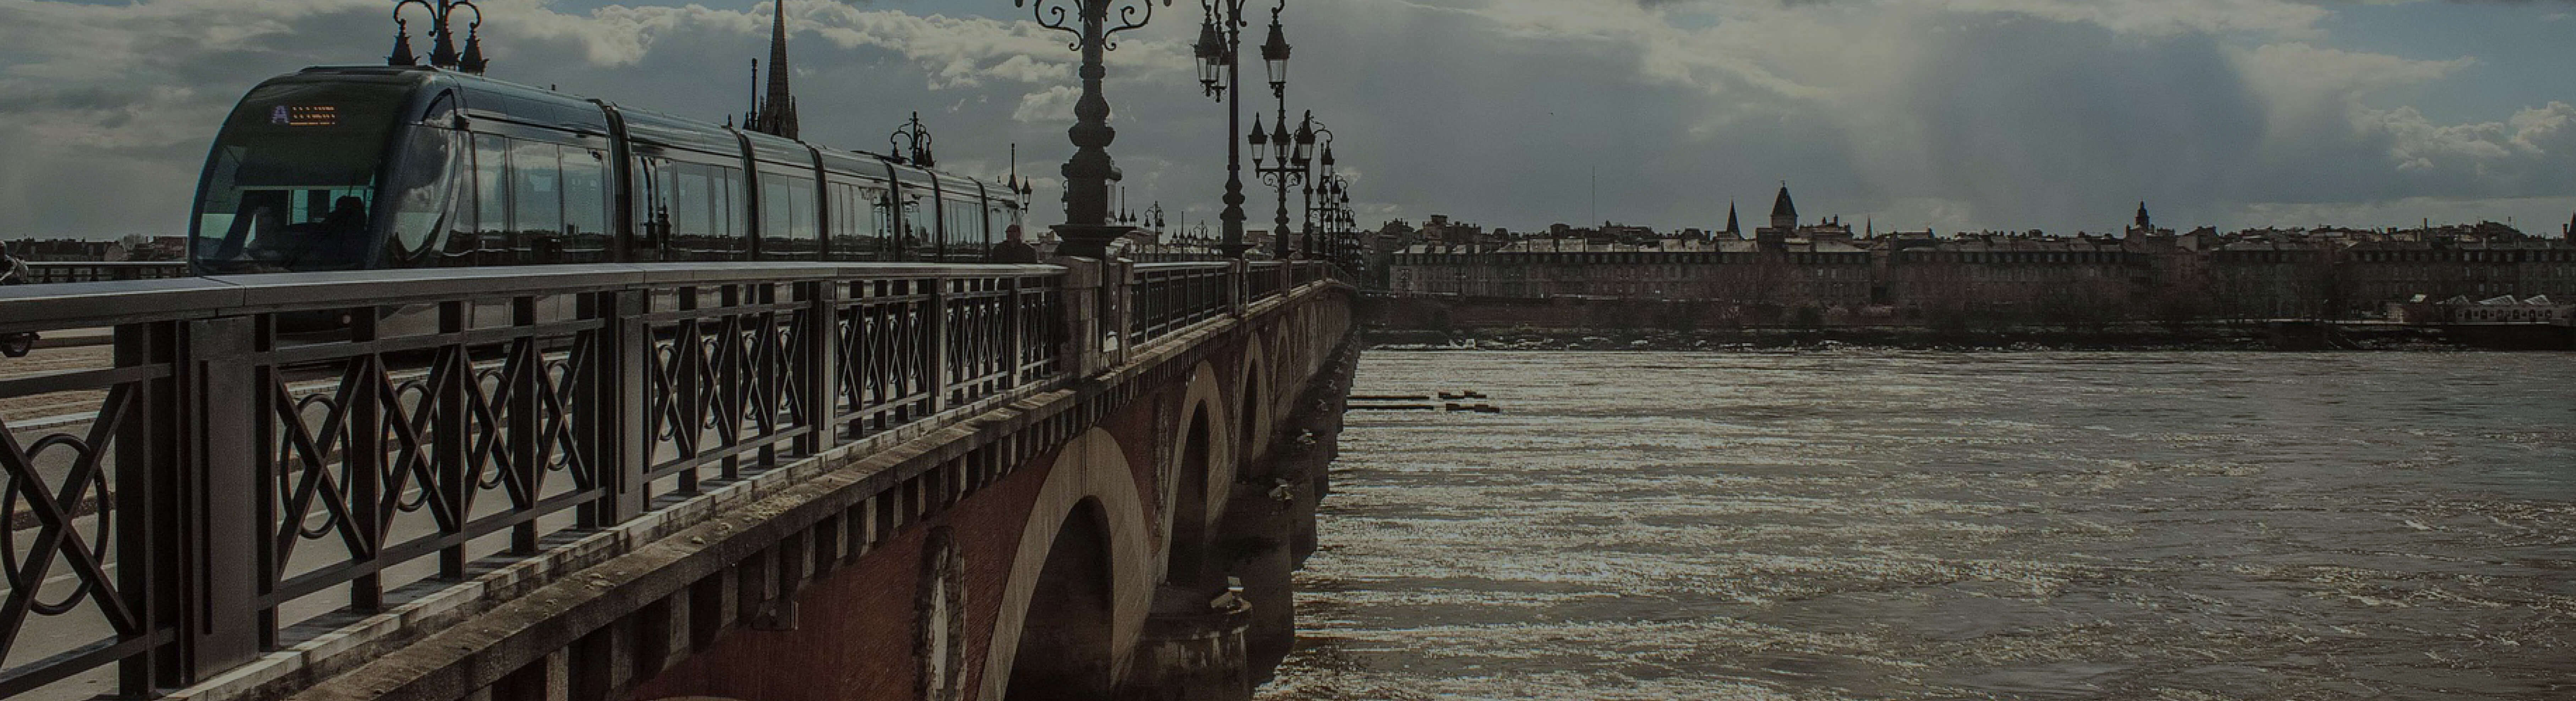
point(57, 272)
point(92, 304)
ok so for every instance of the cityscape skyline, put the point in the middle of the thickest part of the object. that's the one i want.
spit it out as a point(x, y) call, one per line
point(2227, 113)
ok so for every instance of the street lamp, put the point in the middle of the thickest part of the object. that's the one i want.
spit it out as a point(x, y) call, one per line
point(1086, 231)
point(1294, 153)
point(1322, 212)
point(1314, 132)
point(911, 142)
point(1218, 50)
point(442, 49)
point(1015, 187)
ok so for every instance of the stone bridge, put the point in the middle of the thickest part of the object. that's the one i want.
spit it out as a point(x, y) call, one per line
point(757, 481)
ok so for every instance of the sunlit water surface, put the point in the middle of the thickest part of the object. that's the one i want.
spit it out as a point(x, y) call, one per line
point(1867, 525)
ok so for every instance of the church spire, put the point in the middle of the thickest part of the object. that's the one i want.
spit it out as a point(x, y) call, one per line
point(1730, 219)
point(775, 113)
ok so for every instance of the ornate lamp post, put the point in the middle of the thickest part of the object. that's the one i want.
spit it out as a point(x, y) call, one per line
point(1086, 231)
point(1014, 186)
point(911, 142)
point(1221, 77)
point(1321, 214)
point(1315, 176)
point(1290, 151)
point(442, 48)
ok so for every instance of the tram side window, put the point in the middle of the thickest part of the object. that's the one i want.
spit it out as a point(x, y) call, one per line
point(787, 227)
point(853, 217)
point(484, 238)
point(706, 219)
point(882, 222)
point(997, 225)
point(963, 235)
point(536, 202)
point(920, 235)
point(586, 202)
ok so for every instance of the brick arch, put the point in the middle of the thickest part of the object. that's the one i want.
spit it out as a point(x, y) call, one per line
point(1255, 415)
point(1091, 469)
point(1205, 398)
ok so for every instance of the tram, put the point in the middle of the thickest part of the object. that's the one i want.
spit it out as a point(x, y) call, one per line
point(374, 167)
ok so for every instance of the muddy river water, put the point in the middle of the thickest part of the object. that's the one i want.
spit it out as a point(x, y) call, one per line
point(1894, 525)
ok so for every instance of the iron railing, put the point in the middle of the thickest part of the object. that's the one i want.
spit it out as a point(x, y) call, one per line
point(48, 272)
point(1172, 296)
point(260, 460)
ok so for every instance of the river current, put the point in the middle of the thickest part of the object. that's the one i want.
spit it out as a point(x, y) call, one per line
point(1895, 525)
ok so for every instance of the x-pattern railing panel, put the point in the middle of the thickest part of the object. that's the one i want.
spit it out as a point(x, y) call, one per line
point(723, 385)
point(62, 515)
point(1041, 329)
point(404, 448)
point(885, 350)
point(979, 337)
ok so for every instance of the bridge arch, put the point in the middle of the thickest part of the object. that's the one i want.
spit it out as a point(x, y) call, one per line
point(1203, 462)
point(1085, 560)
point(1254, 402)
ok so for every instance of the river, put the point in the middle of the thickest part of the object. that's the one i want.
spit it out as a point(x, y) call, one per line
point(1894, 525)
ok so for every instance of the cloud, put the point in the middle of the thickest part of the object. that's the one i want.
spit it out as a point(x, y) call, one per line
point(1948, 113)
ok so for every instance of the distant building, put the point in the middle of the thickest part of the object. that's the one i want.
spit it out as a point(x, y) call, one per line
point(2146, 273)
point(2502, 309)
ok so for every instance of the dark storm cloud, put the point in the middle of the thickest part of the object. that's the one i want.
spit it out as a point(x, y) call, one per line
point(2105, 122)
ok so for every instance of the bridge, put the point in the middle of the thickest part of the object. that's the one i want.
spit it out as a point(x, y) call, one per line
point(1070, 480)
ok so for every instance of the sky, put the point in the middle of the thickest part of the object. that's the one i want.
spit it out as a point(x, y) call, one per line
point(1903, 114)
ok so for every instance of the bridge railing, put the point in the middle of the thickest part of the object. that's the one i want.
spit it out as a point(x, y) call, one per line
point(1265, 278)
point(263, 460)
point(49, 272)
point(1172, 296)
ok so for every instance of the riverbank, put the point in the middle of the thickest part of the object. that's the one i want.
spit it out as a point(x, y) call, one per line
point(2214, 338)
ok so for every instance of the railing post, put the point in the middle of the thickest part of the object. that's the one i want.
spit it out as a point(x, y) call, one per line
point(941, 364)
point(449, 379)
point(148, 469)
point(223, 471)
point(1118, 279)
point(1079, 303)
point(1014, 340)
point(522, 422)
point(627, 442)
point(819, 357)
point(1238, 286)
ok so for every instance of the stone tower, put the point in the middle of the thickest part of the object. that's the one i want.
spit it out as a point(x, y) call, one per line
point(1784, 213)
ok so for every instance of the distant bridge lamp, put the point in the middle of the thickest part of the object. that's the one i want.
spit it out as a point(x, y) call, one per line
point(1294, 154)
point(911, 142)
point(1319, 169)
point(442, 48)
point(1017, 188)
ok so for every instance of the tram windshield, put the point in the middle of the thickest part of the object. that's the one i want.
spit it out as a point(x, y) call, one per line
point(291, 185)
